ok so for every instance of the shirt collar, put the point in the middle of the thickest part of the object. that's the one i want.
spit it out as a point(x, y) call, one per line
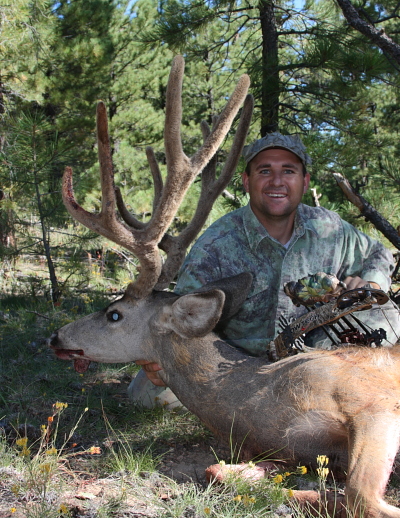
point(256, 232)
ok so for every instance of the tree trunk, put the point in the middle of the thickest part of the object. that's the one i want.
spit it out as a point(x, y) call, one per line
point(270, 69)
point(55, 290)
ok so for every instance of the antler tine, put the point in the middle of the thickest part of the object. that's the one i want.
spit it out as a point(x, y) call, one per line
point(223, 124)
point(233, 157)
point(106, 222)
point(211, 188)
point(106, 166)
point(181, 169)
point(129, 218)
point(173, 116)
point(125, 214)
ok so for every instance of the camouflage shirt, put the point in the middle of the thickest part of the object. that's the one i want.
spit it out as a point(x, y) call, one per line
point(238, 242)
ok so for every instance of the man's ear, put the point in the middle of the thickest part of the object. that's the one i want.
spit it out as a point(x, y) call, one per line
point(193, 315)
point(245, 181)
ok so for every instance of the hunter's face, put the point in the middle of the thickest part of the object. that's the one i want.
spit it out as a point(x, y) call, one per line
point(276, 184)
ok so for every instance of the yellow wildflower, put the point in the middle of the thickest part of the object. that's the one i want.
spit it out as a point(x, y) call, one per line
point(22, 442)
point(25, 452)
point(207, 510)
point(290, 493)
point(322, 459)
point(222, 463)
point(302, 470)
point(286, 474)
point(63, 509)
point(247, 500)
point(251, 464)
point(45, 468)
point(60, 406)
point(277, 479)
point(13, 510)
point(323, 473)
point(237, 498)
point(51, 451)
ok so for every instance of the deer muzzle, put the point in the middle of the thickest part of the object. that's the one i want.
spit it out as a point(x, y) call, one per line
point(80, 364)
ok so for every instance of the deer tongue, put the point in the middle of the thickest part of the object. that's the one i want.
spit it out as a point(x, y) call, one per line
point(81, 366)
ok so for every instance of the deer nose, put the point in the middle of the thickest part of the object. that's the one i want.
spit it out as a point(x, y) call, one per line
point(53, 340)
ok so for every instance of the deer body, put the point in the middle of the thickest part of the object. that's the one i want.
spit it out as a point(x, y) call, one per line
point(344, 403)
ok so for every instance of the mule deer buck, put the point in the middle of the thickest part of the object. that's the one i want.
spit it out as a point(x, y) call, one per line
point(343, 403)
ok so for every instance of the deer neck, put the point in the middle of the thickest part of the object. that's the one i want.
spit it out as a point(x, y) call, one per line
point(203, 372)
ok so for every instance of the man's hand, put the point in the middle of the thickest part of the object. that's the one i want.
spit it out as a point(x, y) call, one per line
point(353, 283)
point(151, 370)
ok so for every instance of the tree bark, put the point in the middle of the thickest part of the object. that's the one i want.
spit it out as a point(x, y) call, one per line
point(270, 69)
point(369, 213)
point(376, 36)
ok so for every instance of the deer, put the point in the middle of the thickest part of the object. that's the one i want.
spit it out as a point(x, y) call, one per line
point(342, 403)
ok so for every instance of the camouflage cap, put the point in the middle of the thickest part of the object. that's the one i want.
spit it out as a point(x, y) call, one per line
point(292, 143)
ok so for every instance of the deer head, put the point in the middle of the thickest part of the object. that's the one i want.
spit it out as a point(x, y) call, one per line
point(145, 239)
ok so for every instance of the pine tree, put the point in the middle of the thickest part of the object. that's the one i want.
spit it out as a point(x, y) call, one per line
point(311, 74)
point(28, 158)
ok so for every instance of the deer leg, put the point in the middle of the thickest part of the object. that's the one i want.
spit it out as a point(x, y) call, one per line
point(373, 444)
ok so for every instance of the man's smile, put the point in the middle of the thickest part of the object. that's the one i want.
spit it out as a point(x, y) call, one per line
point(276, 195)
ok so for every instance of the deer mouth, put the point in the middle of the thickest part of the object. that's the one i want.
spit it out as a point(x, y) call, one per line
point(81, 365)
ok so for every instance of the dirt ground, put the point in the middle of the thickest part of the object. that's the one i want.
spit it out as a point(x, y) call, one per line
point(84, 494)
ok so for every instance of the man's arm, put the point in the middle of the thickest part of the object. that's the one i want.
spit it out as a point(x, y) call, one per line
point(365, 260)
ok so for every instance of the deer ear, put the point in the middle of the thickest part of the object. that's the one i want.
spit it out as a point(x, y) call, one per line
point(196, 314)
point(235, 288)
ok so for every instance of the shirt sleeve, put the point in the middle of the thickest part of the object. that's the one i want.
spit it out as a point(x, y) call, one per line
point(365, 257)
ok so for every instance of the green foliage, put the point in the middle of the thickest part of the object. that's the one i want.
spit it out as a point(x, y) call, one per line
point(323, 80)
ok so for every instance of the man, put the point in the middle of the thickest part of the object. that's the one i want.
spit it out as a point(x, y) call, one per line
point(278, 239)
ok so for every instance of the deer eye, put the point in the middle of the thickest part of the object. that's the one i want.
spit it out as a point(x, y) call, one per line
point(114, 316)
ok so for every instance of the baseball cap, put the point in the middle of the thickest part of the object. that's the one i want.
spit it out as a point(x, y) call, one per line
point(292, 143)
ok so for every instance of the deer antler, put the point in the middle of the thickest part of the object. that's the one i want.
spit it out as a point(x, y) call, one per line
point(143, 239)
